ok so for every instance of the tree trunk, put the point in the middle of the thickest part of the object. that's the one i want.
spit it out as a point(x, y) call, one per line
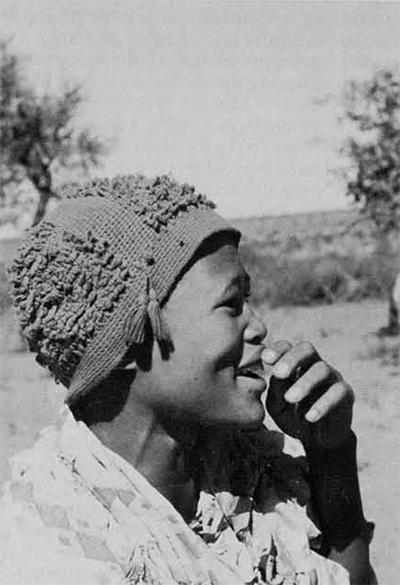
point(393, 327)
point(40, 175)
point(386, 247)
point(44, 197)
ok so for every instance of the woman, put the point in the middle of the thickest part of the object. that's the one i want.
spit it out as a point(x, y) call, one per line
point(162, 472)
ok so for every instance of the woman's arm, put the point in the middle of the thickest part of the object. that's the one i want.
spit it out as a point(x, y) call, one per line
point(337, 502)
point(309, 400)
point(355, 558)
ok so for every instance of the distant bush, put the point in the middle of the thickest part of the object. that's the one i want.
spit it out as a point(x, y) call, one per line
point(317, 280)
point(307, 282)
point(375, 274)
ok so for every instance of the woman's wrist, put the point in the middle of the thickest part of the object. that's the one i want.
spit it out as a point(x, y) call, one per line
point(336, 493)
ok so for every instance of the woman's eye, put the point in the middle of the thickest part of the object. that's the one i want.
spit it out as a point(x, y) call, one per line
point(236, 304)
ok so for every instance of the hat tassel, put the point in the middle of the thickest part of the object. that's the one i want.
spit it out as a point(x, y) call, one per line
point(157, 320)
point(136, 321)
point(147, 307)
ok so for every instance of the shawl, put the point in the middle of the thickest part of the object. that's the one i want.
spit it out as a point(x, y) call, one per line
point(75, 512)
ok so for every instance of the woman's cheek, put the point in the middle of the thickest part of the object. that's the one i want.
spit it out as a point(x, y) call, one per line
point(229, 353)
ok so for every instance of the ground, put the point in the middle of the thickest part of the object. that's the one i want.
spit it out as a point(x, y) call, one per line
point(345, 335)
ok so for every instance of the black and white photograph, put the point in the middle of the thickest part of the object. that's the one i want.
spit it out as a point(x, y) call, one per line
point(199, 292)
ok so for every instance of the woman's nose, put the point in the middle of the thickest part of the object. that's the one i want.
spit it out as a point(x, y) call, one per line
point(255, 331)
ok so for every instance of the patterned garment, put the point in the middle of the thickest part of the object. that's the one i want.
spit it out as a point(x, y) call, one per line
point(76, 513)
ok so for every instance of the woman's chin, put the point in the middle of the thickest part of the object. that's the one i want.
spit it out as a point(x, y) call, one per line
point(251, 417)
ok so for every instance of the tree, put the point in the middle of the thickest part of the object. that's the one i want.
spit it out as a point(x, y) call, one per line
point(372, 108)
point(38, 137)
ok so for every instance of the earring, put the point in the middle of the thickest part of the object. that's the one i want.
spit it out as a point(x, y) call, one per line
point(130, 366)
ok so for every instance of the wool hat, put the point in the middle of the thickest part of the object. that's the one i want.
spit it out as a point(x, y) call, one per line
point(92, 277)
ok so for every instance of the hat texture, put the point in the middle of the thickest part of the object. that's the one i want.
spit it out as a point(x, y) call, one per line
point(90, 280)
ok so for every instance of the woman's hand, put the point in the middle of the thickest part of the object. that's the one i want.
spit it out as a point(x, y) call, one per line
point(307, 398)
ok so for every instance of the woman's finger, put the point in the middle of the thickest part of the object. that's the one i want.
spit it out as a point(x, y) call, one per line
point(338, 394)
point(296, 360)
point(274, 351)
point(318, 377)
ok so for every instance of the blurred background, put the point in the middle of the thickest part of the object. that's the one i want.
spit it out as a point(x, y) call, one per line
point(287, 114)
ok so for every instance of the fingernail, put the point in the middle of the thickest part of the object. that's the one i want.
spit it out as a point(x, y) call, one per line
point(281, 370)
point(293, 395)
point(269, 355)
point(313, 415)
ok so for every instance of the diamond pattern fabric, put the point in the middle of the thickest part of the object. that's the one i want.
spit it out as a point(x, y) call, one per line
point(75, 513)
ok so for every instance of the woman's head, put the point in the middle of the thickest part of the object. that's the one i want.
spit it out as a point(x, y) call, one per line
point(213, 374)
point(90, 281)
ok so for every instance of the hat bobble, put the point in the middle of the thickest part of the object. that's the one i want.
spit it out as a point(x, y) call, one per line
point(157, 320)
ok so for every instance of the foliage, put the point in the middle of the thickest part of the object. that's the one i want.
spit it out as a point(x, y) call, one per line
point(322, 279)
point(372, 108)
point(38, 137)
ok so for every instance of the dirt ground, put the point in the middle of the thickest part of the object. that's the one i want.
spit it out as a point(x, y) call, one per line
point(344, 334)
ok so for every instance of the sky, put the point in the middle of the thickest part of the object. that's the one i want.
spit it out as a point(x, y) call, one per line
point(227, 95)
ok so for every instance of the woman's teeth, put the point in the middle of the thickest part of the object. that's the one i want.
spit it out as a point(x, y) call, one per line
point(252, 371)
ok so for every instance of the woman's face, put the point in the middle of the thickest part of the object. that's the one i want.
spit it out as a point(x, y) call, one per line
point(214, 333)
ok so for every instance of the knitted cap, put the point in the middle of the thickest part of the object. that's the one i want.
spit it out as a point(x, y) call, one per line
point(94, 274)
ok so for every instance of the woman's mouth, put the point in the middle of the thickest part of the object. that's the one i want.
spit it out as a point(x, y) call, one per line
point(254, 370)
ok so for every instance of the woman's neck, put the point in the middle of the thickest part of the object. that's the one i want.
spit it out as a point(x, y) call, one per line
point(162, 451)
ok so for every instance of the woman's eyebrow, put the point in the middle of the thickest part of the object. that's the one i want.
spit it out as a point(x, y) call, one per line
point(239, 281)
